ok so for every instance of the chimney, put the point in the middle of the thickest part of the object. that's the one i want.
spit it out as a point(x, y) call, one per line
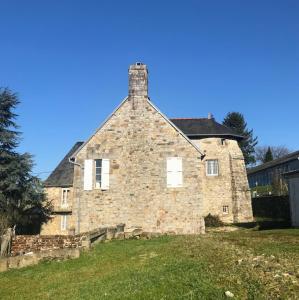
point(210, 116)
point(138, 80)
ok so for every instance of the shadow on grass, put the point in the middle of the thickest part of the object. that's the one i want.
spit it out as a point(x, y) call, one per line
point(266, 224)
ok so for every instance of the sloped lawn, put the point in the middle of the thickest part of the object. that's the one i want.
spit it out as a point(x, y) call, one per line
point(250, 264)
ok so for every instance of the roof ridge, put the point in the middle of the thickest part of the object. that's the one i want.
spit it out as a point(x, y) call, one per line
point(274, 162)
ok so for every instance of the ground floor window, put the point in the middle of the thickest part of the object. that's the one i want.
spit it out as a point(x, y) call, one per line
point(63, 222)
point(225, 209)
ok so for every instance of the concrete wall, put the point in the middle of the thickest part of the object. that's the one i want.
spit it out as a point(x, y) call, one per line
point(30, 259)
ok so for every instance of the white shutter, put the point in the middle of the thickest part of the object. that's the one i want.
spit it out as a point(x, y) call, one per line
point(179, 172)
point(174, 172)
point(88, 166)
point(170, 172)
point(105, 174)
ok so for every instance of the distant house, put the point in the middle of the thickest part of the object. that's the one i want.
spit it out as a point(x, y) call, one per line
point(146, 170)
point(293, 183)
point(269, 172)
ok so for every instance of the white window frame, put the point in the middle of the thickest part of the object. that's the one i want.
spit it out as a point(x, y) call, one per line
point(104, 169)
point(174, 170)
point(225, 209)
point(207, 167)
point(65, 192)
point(97, 184)
point(63, 222)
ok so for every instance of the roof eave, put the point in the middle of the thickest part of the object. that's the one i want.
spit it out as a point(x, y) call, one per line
point(215, 135)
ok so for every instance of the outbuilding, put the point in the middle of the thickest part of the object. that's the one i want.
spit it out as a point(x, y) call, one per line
point(293, 184)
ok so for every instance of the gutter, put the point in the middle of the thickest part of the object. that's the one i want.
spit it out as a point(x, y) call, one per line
point(72, 161)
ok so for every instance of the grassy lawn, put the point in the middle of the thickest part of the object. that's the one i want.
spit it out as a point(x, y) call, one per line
point(250, 264)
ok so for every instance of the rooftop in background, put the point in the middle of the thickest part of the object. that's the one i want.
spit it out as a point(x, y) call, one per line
point(64, 172)
point(294, 173)
point(274, 163)
point(204, 127)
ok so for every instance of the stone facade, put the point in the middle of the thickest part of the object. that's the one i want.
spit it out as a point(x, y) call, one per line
point(61, 210)
point(230, 188)
point(138, 139)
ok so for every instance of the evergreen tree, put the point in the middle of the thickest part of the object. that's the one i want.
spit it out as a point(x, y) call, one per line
point(236, 122)
point(268, 156)
point(22, 200)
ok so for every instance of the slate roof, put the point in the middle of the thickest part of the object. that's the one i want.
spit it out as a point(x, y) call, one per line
point(274, 162)
point(64, 172)
point(204, 127)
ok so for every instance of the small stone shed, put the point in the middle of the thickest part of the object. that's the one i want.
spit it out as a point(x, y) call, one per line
point(293, 184)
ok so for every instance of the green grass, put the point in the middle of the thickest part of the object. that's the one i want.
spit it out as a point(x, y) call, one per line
point(251, 264)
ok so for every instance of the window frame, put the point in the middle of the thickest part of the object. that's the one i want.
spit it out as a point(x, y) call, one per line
point(98, 184)
point(64, 200)
point(207, 168)
point(64, 222)
point(225, 209)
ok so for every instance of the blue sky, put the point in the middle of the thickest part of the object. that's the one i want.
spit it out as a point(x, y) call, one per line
point(68, 61)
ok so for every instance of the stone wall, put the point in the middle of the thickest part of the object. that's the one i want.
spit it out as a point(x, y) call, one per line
point(30, 259)
point(138, 140)
point(32, 243)
point(53, 226)
point(230, 188)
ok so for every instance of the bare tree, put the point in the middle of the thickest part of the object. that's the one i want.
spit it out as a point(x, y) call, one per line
point(277, 152)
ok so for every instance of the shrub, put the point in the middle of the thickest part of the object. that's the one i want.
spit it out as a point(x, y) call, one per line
point(213, 221)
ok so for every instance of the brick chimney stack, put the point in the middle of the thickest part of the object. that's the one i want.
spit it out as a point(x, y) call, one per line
point(138, 85)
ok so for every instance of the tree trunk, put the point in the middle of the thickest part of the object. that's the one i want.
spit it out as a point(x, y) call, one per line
point(6, 240)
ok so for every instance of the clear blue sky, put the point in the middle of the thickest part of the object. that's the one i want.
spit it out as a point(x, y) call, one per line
point(68, 61)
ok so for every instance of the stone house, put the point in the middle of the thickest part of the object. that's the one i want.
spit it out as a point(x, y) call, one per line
point(147, 171)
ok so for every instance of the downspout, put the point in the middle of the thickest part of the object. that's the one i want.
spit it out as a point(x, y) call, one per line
point(72, 161)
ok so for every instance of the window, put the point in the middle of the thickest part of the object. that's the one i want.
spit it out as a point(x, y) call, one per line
point(225, 209)
point(98, 173)
point(63, 222)
point(174, 172)
point(212, 168)
point(64, 197)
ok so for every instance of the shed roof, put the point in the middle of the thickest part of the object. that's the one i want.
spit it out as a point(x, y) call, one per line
point(290, 174)
point(274, 162)
point(204, 127)
point(64, 172)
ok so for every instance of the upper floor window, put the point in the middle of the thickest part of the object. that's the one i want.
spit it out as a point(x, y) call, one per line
point(65, 197)
point(212, 167)
point(96, 174)
point(174, 172)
